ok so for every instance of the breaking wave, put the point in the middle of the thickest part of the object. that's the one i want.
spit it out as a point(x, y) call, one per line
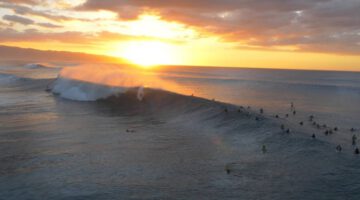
point(83, 91)
point(167, 105)
point(87, 83)
point(37, 66)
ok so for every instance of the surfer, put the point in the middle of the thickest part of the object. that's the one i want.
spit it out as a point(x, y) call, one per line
point(313, 136)
point(301, 123)
point(261, 110)
point(226, 110)
point(336, 128)
point(318, 126)
point(294, 112)
point(354, 138)
point(326, 132)
point(227, 168)
point(338, 148)
point(263, 149)
point(287, 130)
point(276, 116)
point(311, 118)
point(356, 151)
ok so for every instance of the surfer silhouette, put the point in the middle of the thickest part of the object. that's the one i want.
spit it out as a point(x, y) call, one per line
point(282, 126)
point(338, 148)
point(227, 168)
point(263, 149)
point(356, 151)
point(354, 138)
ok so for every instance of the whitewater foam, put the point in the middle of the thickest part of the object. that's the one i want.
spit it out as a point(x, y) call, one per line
point(83, 91)
point(38, 65)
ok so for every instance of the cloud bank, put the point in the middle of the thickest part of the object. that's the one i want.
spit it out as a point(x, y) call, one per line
point(297, 25)
point(307, 25)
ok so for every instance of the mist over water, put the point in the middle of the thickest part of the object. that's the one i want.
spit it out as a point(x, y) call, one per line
point(115, 132)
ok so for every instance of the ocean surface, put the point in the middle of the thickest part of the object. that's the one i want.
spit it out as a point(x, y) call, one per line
point(101, 131)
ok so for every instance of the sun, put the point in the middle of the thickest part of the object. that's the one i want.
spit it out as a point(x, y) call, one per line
point(148, 53)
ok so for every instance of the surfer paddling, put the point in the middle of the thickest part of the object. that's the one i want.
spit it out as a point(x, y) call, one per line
point(356, 151)
point(263, 148)
point(338, 148)
point(354, 138)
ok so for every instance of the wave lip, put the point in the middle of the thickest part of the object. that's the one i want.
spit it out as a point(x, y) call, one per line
point(39, 66)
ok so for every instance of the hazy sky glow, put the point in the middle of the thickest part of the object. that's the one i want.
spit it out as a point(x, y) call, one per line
point(311, 34)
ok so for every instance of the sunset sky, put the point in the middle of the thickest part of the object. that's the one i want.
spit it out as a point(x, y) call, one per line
point(300, 34)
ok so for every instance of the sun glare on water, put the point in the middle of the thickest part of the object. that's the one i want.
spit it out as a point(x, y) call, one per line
point(148, 53)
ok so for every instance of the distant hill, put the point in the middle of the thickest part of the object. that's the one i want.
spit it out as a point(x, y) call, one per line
point(8, 53)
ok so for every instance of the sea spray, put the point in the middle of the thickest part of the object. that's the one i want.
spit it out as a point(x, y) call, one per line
point(90, 83)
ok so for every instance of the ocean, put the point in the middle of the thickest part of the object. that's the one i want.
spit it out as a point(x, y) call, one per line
point(105, 131)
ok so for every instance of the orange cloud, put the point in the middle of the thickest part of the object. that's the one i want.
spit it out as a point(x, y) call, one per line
point(310, 25)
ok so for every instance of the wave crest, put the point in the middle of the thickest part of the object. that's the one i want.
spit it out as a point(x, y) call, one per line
point(83, 91)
